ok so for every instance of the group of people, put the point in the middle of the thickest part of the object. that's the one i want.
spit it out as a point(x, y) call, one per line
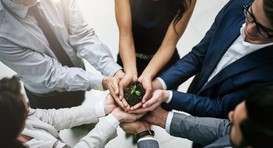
point(232, 68)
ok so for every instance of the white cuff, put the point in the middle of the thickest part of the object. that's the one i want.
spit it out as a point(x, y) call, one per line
point(100, 109)
point(112, 120)
point(146, 138)
point(168, 122)
point(164, 86)
point(170, 96)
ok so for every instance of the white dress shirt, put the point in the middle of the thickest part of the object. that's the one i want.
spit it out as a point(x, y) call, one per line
point(237, 50)
point(25, 49)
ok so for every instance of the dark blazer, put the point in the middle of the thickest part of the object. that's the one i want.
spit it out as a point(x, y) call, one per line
point(232, 84)
point(148, 144)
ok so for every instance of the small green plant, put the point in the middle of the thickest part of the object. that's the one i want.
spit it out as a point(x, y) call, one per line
point(133, 93)
point(133, 90)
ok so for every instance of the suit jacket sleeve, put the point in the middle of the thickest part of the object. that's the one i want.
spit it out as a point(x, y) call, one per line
point(149, 143)
point(199, 129)
point(192, 64)
point(206, 106)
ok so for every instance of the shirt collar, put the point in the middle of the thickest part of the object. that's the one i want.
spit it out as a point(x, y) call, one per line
point(18, 9)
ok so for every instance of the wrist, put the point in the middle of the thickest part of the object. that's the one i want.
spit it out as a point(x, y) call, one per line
point(146, 133)
point(104, 82)
point(166, 95)
point(163, 120)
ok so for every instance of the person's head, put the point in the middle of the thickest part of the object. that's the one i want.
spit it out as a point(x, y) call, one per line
point(13, 112)
point(252, 120)
point(259, 21)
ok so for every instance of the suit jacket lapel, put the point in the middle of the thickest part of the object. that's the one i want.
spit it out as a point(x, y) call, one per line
point(245, 63)
point(218, 48)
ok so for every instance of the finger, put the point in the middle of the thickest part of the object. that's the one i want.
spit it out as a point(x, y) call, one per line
point(148, 103)
point(121, 94)
point(136, 106)
point(140, 115)
point(121, 87)
point(120, 103)
point(115, 87)
point(113, 91)
point(147, 95)
point(139, 111)
point(126, 105)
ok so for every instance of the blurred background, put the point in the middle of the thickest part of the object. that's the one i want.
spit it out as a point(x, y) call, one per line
point(101, 16)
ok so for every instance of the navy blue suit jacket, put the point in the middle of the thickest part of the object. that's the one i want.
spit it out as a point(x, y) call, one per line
point(232, 84)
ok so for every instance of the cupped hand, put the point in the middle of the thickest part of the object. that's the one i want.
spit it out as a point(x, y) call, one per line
point(135, 127)
point(109, 104)
point(111, 83)
point(128, 78)
point(158, 96)
point(157, 117)
point(123, 116)
point(147, 85)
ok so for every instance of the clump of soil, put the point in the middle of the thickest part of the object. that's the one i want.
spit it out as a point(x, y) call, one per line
point(133, 93)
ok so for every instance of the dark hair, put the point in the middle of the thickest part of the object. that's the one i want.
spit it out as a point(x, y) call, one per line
point(268, 9)
point(257, 128)
point(184, 6)
point(13, 112)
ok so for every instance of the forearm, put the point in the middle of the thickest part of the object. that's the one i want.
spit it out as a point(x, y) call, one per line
point(159, 60)
point(42, 74)
point(205, 106)
point(126, 41)
point(70, 117)
point(127, 55)
point(199, 129)
point(103, 132)
point(167, 48)
point(180, 72)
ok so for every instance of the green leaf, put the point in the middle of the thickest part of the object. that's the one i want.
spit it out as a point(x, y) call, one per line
point(133, 89)
point(137, 93)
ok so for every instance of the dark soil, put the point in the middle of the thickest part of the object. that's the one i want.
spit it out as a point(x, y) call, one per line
point(133, 93)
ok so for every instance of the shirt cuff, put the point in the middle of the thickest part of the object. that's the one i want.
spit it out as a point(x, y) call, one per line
point(97, 85)
point(168, 122)
point(112, 120)
point(100, 109)
point(146, 138)
point(112, 69)
point(162, 83)
point(170, 96)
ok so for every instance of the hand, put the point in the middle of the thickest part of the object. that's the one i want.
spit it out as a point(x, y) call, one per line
point(123, 116)
point(109, 104)
point(147, 85)
point(156, 84)
point(135, 127)
point(157, 117)
point(128, 78)
point(111, 83)
point(157, 98)
point(119, 74)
